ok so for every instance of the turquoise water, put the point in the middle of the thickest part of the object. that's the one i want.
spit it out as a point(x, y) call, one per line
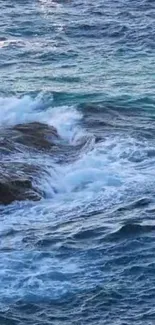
point(77, 228)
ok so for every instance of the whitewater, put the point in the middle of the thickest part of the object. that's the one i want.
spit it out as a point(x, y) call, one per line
point(77, 154)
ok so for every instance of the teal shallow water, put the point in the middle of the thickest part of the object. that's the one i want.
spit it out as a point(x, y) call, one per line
point(84, 253)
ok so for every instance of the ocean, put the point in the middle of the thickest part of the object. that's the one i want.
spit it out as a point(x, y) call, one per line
point(77, 155)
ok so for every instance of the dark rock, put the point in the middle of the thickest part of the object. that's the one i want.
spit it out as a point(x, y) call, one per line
point(17, 190)
point(37, 135)
point(17, 172)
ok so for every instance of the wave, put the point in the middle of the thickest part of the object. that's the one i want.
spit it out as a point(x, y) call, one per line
point(70, 163)
point(131, 230)
point(26, 109)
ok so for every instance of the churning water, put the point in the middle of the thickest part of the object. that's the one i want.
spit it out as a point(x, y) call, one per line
point(77, 162)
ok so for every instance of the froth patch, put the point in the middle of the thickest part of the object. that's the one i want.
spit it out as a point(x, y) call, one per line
point(23, 110)
point(15, 110)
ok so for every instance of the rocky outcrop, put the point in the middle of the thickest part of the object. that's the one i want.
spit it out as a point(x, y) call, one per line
point(17, 190)
point(37, 135)
point(18, 174)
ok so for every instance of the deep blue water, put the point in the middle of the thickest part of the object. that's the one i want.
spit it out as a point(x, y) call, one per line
point(84, 253)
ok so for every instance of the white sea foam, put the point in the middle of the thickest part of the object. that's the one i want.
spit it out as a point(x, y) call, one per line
point(100, 178)
point(106, 167)
point(15, 110)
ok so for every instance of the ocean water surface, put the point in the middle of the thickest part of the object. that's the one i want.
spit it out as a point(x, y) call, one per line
point(77, 162)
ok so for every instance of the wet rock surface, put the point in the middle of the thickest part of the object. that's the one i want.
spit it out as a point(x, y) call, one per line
point(24, 149)
point(37, 135)
point(17, 177)
point(17, 190)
